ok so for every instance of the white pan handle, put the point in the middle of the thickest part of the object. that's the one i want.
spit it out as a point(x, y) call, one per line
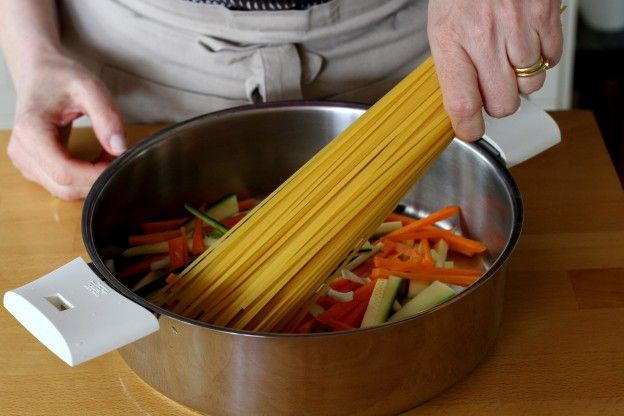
point(78, 317)
point(522, 135)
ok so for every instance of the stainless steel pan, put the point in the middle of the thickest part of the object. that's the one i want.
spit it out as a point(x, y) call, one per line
point(251, 150)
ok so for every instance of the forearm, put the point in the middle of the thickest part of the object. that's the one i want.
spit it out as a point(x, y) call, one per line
point(28, 31)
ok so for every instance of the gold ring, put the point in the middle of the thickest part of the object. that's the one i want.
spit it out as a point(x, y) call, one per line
point(536, 68)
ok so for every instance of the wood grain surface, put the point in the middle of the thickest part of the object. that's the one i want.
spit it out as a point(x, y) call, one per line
point(561, 346)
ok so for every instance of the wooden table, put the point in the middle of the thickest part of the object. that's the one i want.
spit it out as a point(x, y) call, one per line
point(561, 345)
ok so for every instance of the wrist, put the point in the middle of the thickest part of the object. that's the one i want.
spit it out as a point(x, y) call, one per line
point(32, 58)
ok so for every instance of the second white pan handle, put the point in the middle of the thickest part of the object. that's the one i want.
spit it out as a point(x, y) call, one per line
point(522, 135)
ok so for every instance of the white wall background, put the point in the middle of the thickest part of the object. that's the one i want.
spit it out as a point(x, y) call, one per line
point(556, 93)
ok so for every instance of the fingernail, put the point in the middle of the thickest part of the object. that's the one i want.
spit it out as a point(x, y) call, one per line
point(118, 143)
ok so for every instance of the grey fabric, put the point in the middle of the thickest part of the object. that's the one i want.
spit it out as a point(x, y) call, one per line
point(167, 60)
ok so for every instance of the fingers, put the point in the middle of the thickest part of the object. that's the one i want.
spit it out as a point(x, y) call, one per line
point(477, 45)
point(534, 32)
point(474, 71)
point(105, 119)
point(548, 25)
point(35, 149)
point(462, 100)
point(497, 80)
point(524, 50)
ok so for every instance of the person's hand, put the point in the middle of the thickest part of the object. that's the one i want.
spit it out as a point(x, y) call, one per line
point(476, 45)
point(52, 91)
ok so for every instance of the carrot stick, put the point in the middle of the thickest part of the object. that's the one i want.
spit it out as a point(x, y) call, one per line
point(326, 301)
point(160, 226)
point(340, 309)
point(465, 246)
point(185, 247)
point(337, 311)
point(400, 234)
point(393, 264)
point(343, 285)
point(246, 204)
point(306, 325)
point(388, 247)
point(364, 292)
point(233, 220)
point(354, 318)
point(425, 252)
point(421, 268)
point(398, 217)
point(408, 251)
point(364, 269)
point(178, 251)
point(443, 275)
point(457, 243)
point(139, 267)
point(158, 237)
point(198, 238)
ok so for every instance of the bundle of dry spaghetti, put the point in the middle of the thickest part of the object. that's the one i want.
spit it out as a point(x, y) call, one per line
point(268, 267)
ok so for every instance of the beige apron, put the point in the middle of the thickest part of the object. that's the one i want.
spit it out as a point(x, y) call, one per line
point(168, 60)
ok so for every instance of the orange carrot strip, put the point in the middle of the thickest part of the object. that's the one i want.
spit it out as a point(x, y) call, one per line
point(399, 217)
point(233, 220)
point(408, 251)
point(388, 247)
point(185, 250)
point(465, 246)
point(412, 267)
point(160, 226)
point(340, 309)
point(364, 269)
point(425, 252)
point(246, 204)
point(430, 276)
point(364, 292)
point(198, 238)
point(142, 266)
point(158, 237)
point(439, 215)
point(172, 278)
point(354, 318)
point(393, 264)
point(326, 301)
point(455, 242)
point(178, 252)
point(343, 285)
point(306, 325)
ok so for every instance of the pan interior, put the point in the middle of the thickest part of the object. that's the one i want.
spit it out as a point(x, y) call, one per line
point(252, 150)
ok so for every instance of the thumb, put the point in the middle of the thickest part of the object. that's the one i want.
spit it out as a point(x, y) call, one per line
point(105, 118)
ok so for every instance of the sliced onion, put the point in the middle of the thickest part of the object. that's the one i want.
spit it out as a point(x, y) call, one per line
point(349, 275)
point(340, 296)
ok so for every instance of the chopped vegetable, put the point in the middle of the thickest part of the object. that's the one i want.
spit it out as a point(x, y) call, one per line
point(340, 296)
point(207, 219)
point(380, 304)
point(433, 295)
point(408, 269)
point(198, 238)
point(349, 275)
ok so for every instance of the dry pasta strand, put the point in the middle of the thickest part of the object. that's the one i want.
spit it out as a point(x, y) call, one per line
point(268, 266)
